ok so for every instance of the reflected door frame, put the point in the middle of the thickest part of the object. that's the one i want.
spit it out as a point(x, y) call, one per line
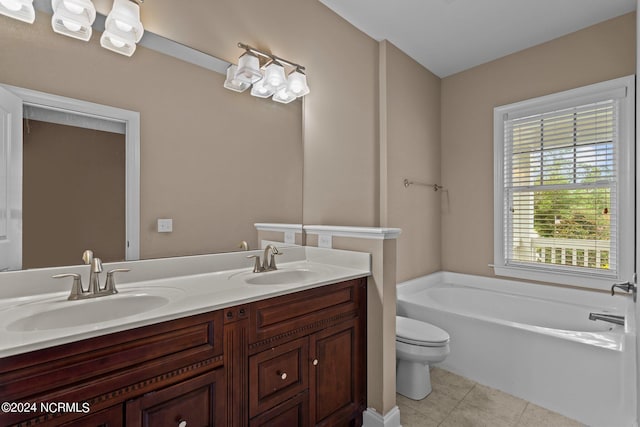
point(131, 120)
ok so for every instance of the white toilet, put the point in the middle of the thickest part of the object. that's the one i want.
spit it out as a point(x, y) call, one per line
point(418, 344)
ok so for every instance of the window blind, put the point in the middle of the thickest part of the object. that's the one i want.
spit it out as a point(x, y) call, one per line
point(560, 170)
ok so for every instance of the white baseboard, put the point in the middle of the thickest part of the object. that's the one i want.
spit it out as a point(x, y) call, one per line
point(370, 418)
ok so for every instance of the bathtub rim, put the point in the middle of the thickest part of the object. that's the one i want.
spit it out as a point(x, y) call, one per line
point(614, 339)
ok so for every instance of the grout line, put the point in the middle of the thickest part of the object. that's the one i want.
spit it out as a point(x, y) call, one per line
point(522, 413)
point(457, 404)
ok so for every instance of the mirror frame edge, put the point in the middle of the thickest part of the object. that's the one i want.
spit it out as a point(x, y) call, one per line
point(131, 119)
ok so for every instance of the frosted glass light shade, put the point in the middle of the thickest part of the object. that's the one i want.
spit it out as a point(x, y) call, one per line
point(22, 10)
point(284, 96)
point(274, 77)
point(248, 70)
point(122, 28)
point(232, 83)
point(260, 91)
point(297, 83)
point(73, 18)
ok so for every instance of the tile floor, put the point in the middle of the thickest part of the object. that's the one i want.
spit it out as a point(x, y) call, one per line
point(459, 402)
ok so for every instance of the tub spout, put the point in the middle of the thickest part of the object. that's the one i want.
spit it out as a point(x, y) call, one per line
point(611, 318)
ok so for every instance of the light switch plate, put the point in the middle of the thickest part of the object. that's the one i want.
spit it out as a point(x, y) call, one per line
point(165, 225)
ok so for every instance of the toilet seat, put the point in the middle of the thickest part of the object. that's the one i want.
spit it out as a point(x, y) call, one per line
point(415, 332)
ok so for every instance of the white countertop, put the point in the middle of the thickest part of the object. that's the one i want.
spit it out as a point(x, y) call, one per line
point(187, 294)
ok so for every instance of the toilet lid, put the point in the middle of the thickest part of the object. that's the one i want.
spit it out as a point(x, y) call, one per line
point(413, 331)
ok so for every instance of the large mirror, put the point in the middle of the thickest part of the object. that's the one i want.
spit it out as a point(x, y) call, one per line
point(213, 161)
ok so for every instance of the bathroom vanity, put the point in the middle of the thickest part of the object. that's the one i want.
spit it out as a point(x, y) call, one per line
point(298, 358)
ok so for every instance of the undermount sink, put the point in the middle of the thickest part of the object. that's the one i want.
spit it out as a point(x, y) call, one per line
point(66, 314)
point(281, 277)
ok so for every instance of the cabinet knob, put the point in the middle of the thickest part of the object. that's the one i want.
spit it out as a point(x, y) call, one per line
point(282, 375)
point(315, 362)
point(182, 423)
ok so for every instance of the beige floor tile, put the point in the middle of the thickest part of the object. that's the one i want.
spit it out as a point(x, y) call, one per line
point(436, 406)
point(535, 416)
point(450, 384)
point(412, 418)
point(496, 403)
point(469, 416)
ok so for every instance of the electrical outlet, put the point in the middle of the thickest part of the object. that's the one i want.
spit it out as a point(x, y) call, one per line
point(165, 225)
point(324, 241)
point(290, 237)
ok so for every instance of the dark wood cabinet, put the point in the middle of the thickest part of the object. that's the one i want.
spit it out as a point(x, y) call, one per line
point(336, 373)
point(293, 360)
point(111, 417)
point(198, 402)
point(309, 346)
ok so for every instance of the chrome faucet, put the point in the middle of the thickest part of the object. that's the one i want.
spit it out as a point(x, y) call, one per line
point(95, 290)
point(611, 318)
point(268, 259)
point(627, 287)
point(269, 262)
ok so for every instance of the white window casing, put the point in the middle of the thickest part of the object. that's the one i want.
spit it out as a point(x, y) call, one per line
point(569, 149)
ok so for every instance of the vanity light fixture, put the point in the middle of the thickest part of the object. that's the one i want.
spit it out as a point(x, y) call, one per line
point(267, 75)
point(233, 83)
point(22, 10)
point(259, 90)
point(122, 28)
point(248, 69)
point(73, 18)
point(297, 83)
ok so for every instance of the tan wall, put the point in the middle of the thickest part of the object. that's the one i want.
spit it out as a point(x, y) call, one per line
point(412, 151)
point(213, 160)
point(340, 129)
point(61, 216)
point(601, 52)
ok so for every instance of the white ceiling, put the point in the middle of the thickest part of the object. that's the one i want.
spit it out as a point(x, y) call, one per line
point(448, 36)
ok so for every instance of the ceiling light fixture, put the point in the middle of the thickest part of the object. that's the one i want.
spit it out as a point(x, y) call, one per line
point(122, 28)
point(22, 10)
point(73, 18)
point(267, 74)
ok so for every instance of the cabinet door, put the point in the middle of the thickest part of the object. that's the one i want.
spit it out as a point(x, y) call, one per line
point(111, 417)
point(336, 375)
point(198, 402)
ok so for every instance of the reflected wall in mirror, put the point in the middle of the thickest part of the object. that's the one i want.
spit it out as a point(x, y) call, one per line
point(214, 161)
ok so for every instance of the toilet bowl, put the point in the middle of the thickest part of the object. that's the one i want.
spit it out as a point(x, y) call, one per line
point(418, 344)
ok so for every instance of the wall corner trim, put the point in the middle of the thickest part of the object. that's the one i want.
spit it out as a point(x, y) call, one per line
point(370, 418)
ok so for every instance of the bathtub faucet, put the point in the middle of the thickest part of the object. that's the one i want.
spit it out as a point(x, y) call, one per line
point(611, 318)
point(628, 287)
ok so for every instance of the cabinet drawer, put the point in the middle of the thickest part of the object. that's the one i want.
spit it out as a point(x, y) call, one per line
point(277, 374)
point(199, 402)
point(292, 413)
point(111, 417)
point(301, 313)
point(170, 344)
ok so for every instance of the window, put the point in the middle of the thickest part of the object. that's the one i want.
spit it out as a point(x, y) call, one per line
point(564, 197)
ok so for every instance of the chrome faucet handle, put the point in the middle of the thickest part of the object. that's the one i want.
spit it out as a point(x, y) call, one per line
point(272, 261)
point(257, 267)
point(76, 288)
point(110, 283)
point(244, 245)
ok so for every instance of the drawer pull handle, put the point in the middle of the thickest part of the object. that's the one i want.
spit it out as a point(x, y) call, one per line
point(182, 423)
point(282, 375)
point(315, 362)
